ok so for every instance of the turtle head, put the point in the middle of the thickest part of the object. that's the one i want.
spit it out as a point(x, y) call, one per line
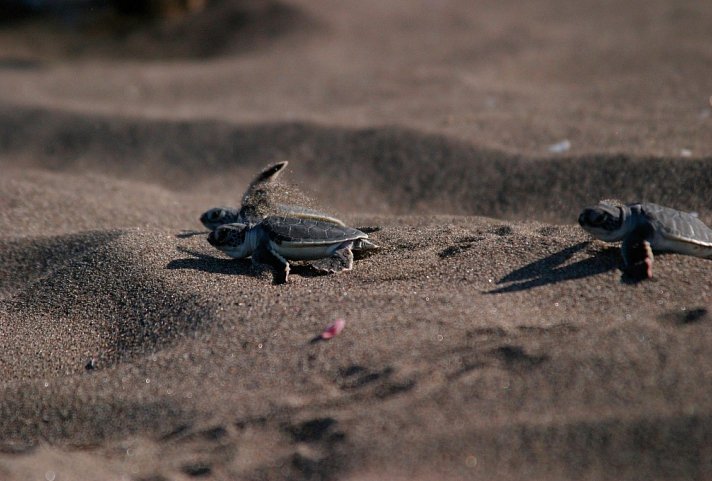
point(218, 216)
point(604, 221)
point(231, 239)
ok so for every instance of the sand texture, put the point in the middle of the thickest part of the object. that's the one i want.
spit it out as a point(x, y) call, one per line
point(490, 338)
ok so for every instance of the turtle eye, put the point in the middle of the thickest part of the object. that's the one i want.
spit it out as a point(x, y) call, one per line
point(214, 215)
point(220, 235)
point(597, 218)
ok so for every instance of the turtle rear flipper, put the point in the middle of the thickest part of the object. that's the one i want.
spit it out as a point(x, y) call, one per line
point(638, 254)
point(279, 264)
point(363, 248)
point(341, 260)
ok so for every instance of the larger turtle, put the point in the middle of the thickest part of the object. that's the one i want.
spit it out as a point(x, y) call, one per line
point(644, 228)
point(277, 240)
point(257, 203)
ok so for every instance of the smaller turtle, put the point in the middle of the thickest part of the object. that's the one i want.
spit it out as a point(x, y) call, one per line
point(257, 204)
point(277, 240)
point(644, 228)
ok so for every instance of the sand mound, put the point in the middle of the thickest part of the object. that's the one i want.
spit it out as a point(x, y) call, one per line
point(98, 286)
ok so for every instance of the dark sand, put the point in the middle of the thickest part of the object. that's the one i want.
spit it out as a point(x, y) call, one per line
point(490, 339)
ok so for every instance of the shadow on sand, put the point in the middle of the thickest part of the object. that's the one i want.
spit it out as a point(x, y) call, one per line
point(185, 234)
point(200, 261)
point(219, 265)
point(549, 270)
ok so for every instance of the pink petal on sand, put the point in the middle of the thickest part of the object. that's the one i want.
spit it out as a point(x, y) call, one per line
point(333, 329)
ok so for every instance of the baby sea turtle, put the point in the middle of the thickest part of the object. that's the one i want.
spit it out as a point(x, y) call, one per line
point(257, 204)
point(644, 227)
point(277, 240)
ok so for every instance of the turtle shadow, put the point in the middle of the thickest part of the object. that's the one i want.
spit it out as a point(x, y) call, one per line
point(199, 261)
point(213, 265)
point(191, 233)
point(219, 265)
point(549, 270)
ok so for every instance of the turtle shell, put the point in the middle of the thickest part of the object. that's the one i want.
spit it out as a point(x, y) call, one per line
point(677, 225)
point(292, 230)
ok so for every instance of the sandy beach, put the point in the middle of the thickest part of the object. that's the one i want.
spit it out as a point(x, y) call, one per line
point(489, 338)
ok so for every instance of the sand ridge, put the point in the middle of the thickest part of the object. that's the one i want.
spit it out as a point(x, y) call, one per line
point(384, 169)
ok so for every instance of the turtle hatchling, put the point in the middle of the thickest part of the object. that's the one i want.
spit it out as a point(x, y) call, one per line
point(277, 240)
point(644, 228)
point(257, 204)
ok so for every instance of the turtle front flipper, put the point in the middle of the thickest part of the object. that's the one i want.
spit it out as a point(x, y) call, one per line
point(267, 175)
point(638, 254)
point(256, 200)
point(280, 266)
point(341, 260)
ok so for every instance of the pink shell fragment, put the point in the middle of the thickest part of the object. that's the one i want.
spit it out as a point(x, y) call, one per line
point(333, 329)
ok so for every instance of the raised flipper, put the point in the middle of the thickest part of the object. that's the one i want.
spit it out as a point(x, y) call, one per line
point(341, 260)
point(267, 175)
point(280, 266)
point(258, 201)
point(255, 200)
point(638, 254)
